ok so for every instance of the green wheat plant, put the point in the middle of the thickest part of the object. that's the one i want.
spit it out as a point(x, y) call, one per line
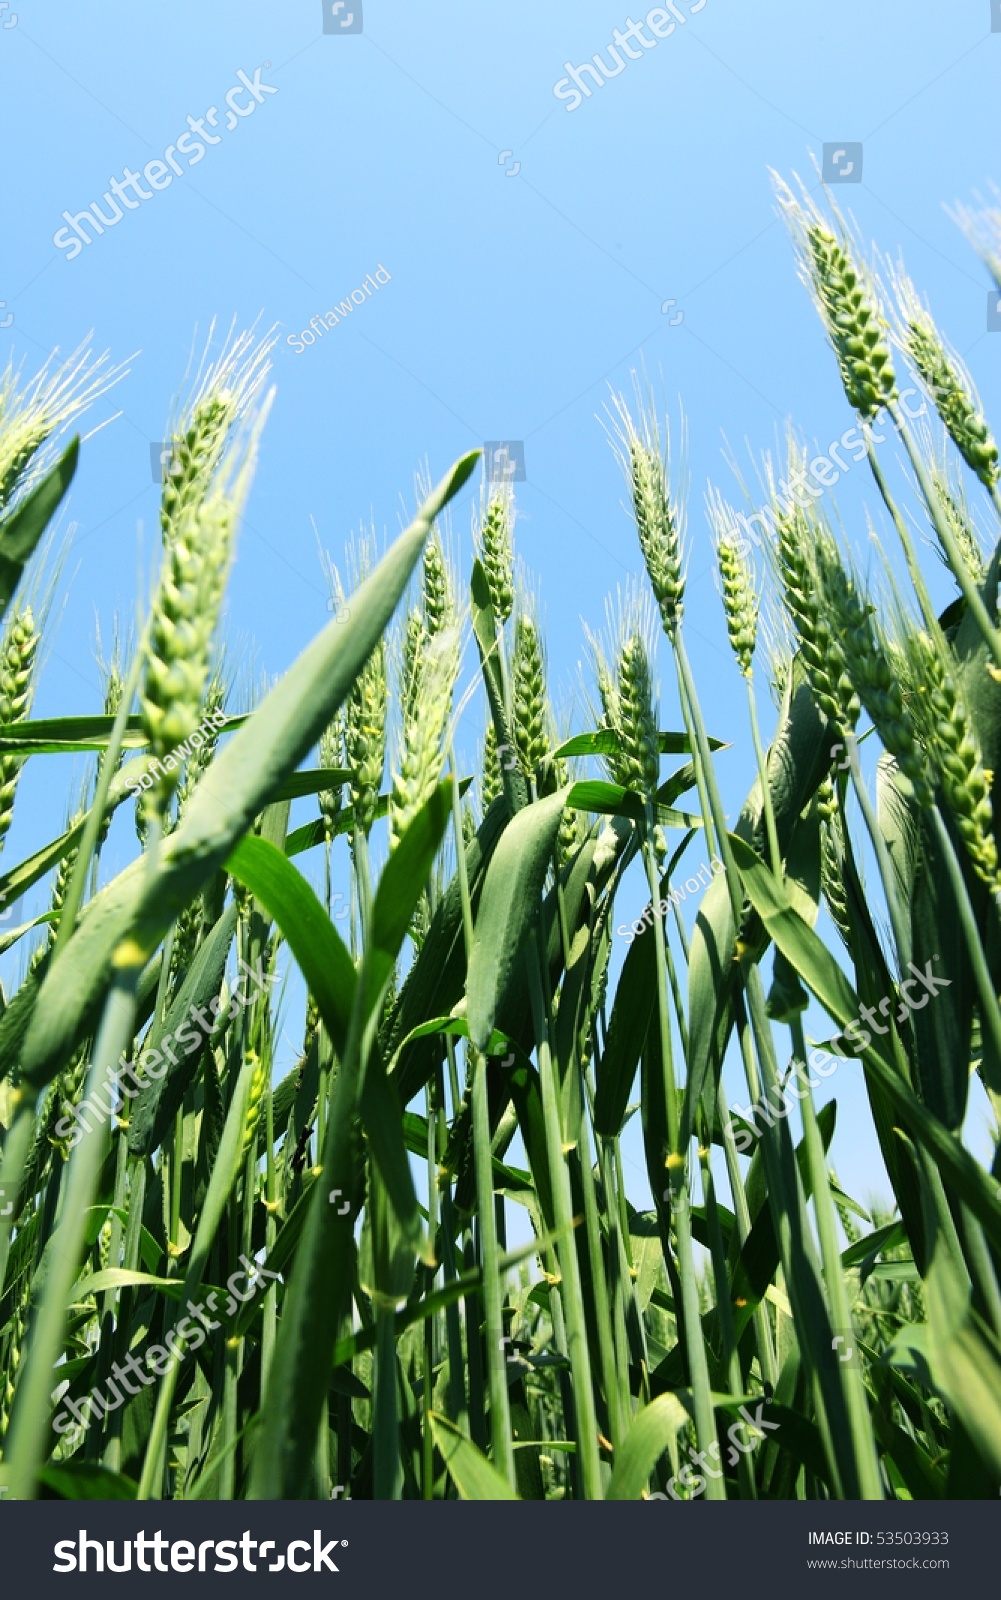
point(406, 1258)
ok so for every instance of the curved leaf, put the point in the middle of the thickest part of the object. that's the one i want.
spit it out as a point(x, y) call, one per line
point(159, 1100)
point(798, 760)
point(654, 1431)
point(140, 906)
point(475, 1477)
point(821, 973)
point(21, 531)
point(507, 909)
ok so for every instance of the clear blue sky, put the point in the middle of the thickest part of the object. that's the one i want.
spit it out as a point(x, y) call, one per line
point(529, 250)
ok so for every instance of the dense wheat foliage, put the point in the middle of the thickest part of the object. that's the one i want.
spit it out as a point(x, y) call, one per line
point(221, 1279)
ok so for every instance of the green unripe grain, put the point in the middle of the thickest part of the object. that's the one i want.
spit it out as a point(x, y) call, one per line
point(857, 331)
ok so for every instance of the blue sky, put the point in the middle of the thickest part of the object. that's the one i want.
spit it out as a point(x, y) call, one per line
point(529, 251)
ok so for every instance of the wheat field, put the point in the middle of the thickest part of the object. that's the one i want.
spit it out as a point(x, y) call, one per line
point(410, 1266)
